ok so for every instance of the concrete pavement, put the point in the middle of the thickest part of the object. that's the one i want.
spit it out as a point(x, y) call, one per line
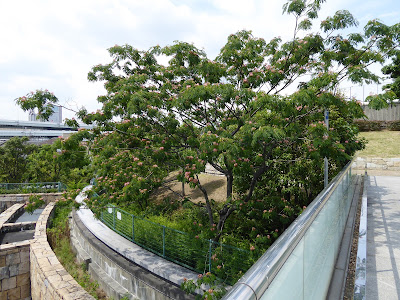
point(383, 238)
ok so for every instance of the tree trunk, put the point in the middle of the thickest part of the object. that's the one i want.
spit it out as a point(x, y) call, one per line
point(224, 213)
point(208, 203)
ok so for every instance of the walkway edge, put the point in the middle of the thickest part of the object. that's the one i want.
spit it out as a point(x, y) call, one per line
point(338, 281)
point(360, 274)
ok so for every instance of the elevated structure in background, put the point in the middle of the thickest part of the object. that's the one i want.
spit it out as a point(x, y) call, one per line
point(36, 131)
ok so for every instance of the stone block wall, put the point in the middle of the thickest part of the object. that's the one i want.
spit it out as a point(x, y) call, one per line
point(377, 163)
point(7, 215)
point(15, 271)
point(7, 200)
point(49, 279)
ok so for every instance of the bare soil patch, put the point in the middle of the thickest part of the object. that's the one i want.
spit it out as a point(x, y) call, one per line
point(215, 186)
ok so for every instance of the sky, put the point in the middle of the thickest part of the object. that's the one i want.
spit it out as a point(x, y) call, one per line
point(50, 44)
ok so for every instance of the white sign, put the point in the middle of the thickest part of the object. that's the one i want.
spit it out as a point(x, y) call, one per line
point(119, 217)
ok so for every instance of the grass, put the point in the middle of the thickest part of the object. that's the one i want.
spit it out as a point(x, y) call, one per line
point(59, 240)
point(381, 144)
point(228, 263)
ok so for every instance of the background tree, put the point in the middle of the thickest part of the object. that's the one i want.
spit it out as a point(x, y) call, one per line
point(391, 91)
point(65, 160)
point(13, 159)
point(393, 70)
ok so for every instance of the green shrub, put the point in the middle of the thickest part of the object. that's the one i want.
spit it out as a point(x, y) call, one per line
point(59, 239)
point(394, 125)
point(365, 125)
point(191, 250)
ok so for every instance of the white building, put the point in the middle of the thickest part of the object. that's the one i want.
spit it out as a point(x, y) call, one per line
point(56, 117)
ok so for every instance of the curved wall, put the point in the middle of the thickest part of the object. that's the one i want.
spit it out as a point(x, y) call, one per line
point(117, 275)
point(49, 279)
point(7, 200)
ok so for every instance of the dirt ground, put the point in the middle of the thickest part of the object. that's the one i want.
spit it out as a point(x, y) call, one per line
point(214, 184)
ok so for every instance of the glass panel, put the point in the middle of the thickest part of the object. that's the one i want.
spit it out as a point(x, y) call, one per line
point(288, 283)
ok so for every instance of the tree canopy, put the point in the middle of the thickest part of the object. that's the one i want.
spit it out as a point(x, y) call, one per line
point(231, 112)
point(393, 70)
point(13, 159)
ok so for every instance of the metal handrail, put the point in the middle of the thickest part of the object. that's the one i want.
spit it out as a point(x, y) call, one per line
point(256, 280)
point(42, 185)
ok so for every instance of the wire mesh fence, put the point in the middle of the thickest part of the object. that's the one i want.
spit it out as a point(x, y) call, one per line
point(35, 187)
point(190, 251)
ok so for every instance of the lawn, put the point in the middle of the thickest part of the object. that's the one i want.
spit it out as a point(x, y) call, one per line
point(381, 144)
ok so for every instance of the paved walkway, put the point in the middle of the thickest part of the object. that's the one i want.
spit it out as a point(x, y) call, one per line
point(383, 238)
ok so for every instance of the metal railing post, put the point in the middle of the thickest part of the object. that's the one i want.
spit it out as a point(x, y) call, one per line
point(114, 218)
point(163, 240)
point(209, 255)
point(133, 228)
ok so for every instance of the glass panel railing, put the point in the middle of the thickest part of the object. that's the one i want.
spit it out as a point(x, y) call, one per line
point(299, 265)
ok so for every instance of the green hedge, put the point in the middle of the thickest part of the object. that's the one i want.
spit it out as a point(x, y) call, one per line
point(27, 191)
point(366, 125)
point(31, 187)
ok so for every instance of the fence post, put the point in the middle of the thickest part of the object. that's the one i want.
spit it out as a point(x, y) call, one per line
point(59, 186)
point(133, 228)
point(209, 255)
point(163, 241)
point(114, 218)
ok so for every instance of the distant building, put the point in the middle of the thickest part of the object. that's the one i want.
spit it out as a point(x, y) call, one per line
point(36, 131)
point(56, 117)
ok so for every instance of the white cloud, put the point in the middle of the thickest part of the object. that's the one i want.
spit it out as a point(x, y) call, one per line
point(54, 44)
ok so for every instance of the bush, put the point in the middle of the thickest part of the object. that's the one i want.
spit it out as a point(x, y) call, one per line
point(394, 125)
point(365, 125)
point(190, 250)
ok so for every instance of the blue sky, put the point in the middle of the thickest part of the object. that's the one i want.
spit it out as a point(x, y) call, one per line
point(53, 44)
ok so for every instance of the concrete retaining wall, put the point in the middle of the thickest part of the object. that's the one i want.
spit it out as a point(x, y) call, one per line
point(49, 279)
point(117, 275)
point(7, 200)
